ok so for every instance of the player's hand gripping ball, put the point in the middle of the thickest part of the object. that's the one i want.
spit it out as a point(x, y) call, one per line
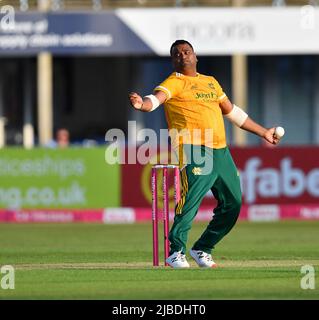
point(279, 132)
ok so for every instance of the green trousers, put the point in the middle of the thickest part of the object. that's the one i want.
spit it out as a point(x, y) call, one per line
point(222, 179)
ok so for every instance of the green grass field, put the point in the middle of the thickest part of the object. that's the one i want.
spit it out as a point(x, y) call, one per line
point(89, 261)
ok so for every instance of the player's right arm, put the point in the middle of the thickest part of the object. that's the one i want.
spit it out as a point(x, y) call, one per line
point(168, 89)
point(148, 103)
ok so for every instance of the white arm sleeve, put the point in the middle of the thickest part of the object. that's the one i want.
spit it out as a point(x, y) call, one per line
point(237, 116)
point(155, 102)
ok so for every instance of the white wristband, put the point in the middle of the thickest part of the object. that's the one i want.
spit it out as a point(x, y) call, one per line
point(237, 116)
point(155, 101)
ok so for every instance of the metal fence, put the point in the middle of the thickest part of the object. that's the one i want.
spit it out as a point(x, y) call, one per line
point(54, 5)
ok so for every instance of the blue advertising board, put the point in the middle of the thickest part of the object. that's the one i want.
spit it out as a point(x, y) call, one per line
point(69, 33)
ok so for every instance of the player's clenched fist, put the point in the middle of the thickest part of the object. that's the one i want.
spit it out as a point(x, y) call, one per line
point(136, 100)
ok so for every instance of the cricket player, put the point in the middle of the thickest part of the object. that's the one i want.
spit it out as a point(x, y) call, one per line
point(195, 101)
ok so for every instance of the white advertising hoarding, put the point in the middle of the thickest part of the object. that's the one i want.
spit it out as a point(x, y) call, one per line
point(225, 31)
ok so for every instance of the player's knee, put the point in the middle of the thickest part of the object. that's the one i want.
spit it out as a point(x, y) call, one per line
point(236, 205)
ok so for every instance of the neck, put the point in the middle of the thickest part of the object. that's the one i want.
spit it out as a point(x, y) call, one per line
point(188, 72)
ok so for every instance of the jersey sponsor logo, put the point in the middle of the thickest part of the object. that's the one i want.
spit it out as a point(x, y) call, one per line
point(211, 95)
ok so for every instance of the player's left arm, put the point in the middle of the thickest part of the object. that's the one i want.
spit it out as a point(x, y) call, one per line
point(237, 116)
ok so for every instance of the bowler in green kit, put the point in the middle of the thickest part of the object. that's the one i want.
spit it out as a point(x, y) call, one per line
point(197, 103)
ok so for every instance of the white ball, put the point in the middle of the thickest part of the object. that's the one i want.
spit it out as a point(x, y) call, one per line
point(279, 132)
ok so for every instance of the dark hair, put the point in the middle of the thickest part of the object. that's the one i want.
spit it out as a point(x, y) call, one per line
point(178, 42)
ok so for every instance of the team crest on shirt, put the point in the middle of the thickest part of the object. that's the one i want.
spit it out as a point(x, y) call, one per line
point(197, 171)
point(211, 85)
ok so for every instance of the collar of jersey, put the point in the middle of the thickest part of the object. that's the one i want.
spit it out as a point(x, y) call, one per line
point(178, 74)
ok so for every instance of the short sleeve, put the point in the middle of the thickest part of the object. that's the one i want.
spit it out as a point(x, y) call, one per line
point(171, 86)
point(220, 92)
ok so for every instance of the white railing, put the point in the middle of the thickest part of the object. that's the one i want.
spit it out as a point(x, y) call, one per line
point(55, 5)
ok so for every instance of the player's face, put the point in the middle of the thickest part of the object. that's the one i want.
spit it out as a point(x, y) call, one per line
point(183, 57)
